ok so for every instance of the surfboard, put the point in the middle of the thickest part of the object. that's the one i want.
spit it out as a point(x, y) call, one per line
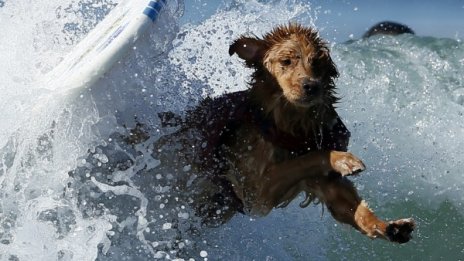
point(105, 45)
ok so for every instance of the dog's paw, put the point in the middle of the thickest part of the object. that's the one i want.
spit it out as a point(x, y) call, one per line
point(346, 163)
point(400, 230)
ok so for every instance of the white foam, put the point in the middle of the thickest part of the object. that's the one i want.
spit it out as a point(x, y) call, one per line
point(401, 99)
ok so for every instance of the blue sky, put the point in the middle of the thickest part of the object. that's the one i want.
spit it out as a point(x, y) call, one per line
point(439, 18)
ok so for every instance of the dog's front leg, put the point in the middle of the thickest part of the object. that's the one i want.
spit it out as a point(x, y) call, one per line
point(279, 178)
point(346, 206)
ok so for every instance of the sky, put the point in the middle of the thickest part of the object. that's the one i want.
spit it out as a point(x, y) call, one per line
point(439, 18)
point(345, 19)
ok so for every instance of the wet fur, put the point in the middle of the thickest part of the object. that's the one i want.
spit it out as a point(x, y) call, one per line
point(258, 149)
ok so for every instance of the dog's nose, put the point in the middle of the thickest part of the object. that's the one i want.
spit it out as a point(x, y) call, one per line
point(311, 87)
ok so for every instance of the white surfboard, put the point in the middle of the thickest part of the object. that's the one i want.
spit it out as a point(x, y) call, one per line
point(105, 45)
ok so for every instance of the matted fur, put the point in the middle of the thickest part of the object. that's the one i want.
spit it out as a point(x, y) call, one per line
point(291, 118)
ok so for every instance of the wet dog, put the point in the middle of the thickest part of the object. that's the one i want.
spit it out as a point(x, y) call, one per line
point(255, 150)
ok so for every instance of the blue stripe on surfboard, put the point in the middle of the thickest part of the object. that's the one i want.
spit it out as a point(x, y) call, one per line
point(155, 5)
point(153, 9)
point(151, 13)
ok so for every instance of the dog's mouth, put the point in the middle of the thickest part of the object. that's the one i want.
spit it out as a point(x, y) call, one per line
point(304, 101)
point(308, 102)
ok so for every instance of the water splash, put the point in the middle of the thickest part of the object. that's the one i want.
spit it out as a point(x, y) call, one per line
point(68, 176)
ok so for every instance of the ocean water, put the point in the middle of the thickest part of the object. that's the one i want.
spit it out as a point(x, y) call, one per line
point(72, 189)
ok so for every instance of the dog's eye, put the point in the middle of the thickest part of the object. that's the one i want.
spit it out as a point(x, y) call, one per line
point(286, 62)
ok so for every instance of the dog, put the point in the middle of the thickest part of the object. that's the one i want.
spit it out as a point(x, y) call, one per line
point(257, 149)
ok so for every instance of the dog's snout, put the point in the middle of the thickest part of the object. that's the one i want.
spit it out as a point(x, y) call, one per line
point(312, 87)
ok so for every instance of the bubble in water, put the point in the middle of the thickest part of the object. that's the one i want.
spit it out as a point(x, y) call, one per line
point(203, 253)
point(167, 226)
point(187, 168)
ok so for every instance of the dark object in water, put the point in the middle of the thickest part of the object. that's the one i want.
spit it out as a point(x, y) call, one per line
point(388, 28)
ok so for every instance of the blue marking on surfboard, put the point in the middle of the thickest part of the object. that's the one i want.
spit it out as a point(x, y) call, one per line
point(151, 13)
point(153, 9)
point(112, 37)
point(155, 5)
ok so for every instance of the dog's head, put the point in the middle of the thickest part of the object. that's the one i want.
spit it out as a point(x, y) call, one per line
point(297, 58)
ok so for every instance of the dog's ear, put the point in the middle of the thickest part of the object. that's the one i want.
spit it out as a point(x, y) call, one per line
point(333, 72)
point(252, 50)
point(331, 68)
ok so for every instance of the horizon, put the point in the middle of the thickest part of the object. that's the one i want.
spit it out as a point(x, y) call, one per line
point(340, 21)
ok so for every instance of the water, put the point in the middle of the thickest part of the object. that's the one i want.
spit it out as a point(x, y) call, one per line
point(72, 189)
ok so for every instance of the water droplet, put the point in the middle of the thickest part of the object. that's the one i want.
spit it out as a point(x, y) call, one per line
point(187, 168)
point(167, 226)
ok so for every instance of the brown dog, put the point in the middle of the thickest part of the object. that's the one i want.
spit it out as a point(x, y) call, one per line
point(258, 149)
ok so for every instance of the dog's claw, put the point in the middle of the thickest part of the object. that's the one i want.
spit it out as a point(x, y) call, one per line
point(346, 163)
point(400, 230)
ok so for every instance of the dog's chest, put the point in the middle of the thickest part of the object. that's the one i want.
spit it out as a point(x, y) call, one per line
point(250, 154)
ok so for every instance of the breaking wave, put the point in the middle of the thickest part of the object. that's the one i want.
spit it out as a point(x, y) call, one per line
point(73, 189)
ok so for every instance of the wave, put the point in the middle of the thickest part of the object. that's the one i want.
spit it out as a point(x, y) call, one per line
point(72, 189)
